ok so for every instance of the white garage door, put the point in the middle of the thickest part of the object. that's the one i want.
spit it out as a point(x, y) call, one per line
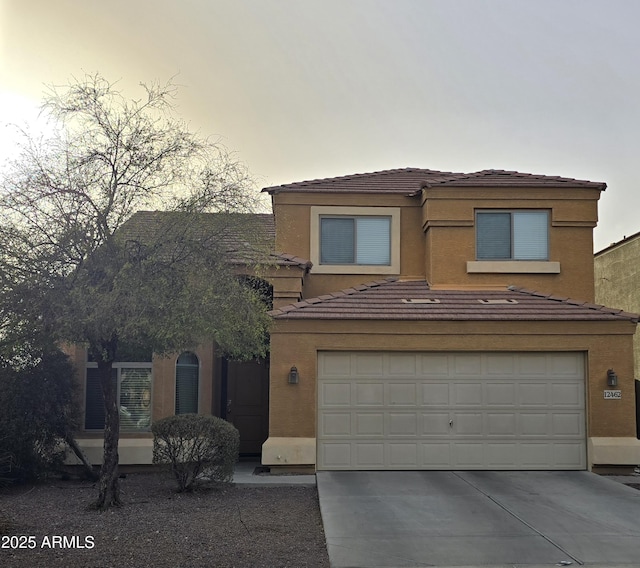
point(451, 411)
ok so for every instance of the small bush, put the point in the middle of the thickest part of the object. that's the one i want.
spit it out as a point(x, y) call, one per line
point(197, 448)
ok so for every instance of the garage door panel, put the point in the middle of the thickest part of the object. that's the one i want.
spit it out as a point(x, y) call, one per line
point(436, 454)
point(370, 455)
point(567, 394)
point(532, 394)
point(336, 424)
point(501, 394)
point(502, 424)
point(534, 424)
point(401, 364)
point(434, 364)
point(468, 455)
point(569, 454)
point(436, 394)
point(369, 365)
point(532, 364)
point(335, 365)
point(369, 394)
point(369, 424)
point(500, 455)
point(405, 394)
point(500, 364)
point(468, 423)
point(467, 394)
point(535, 455)
point(435, 424)
point(467, 364)
point(569, 425)
point(403, 424)
point(451, 411)
point(335, 455)
point(565, 364)
point(335, 394)
point(403, 455)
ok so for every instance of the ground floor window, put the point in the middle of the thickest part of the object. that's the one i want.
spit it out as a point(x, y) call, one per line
point(187, 378)
point(134, 383)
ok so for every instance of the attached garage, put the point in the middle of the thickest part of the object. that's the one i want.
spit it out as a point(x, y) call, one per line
point(451, 411)
point(395, 375)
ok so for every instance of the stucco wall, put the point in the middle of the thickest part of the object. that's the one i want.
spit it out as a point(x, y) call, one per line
point(606, 345)
point(617, 282)
point(448, 217)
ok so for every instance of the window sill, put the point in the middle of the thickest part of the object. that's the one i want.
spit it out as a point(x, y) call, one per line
point(513, 267)
point(354, 269)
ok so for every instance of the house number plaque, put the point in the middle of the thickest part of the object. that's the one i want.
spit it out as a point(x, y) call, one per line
point(613, 394)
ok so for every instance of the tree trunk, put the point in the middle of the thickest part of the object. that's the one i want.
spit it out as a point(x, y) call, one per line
point(77, 450)
point(109, 485)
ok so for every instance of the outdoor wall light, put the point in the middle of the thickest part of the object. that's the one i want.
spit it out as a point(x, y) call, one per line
point(612, 378)
point(293, 376)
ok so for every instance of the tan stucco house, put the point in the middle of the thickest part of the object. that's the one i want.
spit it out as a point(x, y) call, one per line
point(423, 320)
point(617, 280)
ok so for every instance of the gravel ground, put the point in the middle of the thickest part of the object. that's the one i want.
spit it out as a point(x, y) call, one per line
point(231, 526)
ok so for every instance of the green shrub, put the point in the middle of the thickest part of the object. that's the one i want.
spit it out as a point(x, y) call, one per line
point(198, 448)
point(37, 409)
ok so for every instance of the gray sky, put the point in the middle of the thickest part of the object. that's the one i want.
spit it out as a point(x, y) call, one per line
point(318, 88)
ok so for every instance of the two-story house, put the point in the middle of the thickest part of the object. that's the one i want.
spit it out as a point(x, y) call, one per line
point(421, 320)
point(447, 322)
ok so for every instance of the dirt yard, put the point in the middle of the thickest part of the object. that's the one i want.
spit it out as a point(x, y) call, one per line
point(51, 525)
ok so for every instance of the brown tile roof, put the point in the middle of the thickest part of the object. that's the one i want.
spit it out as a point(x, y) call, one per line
point(392, 299)
point(498, 178)
point(283, 259)
point(409, 181)
point(405, 181)
point(228, 232)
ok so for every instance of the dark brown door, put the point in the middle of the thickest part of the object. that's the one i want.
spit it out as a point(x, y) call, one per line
point(247, 404)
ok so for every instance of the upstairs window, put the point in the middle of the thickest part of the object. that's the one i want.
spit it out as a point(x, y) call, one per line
point(512, 235)
point(355, 240)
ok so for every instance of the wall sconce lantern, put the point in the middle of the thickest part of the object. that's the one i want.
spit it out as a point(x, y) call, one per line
point(293, 376)
point(612, 378)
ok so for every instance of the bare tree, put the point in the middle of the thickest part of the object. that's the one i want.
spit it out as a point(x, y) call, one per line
point(76, 262)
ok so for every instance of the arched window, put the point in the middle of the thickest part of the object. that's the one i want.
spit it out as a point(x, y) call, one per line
point(187, 375)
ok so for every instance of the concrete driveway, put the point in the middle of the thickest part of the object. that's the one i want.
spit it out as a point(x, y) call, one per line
point(471, 518)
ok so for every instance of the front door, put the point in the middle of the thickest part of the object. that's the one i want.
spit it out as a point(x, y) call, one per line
point(247, 403)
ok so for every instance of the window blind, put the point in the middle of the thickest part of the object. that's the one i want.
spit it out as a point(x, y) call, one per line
point(373, 240)
point(337, 236)
point(530, 235)
point(187, 370)
point(493, 235)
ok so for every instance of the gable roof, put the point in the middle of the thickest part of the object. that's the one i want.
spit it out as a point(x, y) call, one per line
point(393, 299)
point(410, 181)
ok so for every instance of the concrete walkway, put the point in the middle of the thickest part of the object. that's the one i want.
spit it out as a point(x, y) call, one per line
point(244, 474)
point(505, 519)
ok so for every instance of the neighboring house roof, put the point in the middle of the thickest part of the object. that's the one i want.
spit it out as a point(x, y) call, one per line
point(232, 237)
point(393, 299)
point(617, 244)
point(410, 181)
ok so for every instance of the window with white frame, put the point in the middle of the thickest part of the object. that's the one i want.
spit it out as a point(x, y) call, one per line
point(133, 382)
point(187, 378)
point(355, 240)
point(512, 235)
